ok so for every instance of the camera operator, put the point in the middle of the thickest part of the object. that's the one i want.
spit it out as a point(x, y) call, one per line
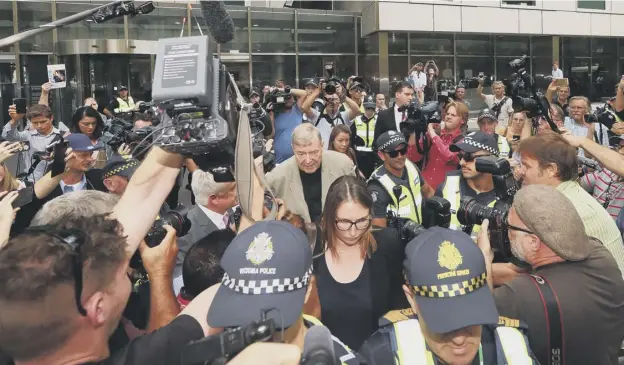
point(562, 97)
point(276, 253)
point(498, 103)
point(438, 159)
point(286, 117)
point(259, 115)
point(573, 301)
point(303, 180)
point(39, 137)
point(487, 123)
point(460, 94)
point(550, 160)
point(363, 131)
point(397, 171)
point(389, 119)
point(457, 325)
point(468, 181)
point(124, 103)
point(578, 124)
point(331, 115)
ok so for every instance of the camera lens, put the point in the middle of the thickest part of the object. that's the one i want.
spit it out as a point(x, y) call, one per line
point(330, 88)
point(472, 212)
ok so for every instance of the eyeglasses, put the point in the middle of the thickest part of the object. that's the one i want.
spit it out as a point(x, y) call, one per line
point(514, 228)
point(395, 153)
point(345, 224)
point(468, 157)
point(86, 125)
point(74, 238)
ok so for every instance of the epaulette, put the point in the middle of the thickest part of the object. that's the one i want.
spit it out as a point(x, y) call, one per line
point(396, 316)
point(511, 322)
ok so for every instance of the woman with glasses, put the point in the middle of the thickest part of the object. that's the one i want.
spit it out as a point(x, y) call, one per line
point(358, 267)
point(87, 120)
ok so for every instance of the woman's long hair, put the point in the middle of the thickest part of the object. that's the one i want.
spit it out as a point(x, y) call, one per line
point(87, 111)
point(344, 189)
point(9, 183)
point(341, 128)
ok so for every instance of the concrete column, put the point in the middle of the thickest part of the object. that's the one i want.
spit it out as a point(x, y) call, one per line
point(555, 49)
point(384, 63)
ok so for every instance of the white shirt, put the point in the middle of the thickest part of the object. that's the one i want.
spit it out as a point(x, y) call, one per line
point(557, 74)
point(80, 185)
point(398, 117)
point(419, 79)
point(506, 110)
point(215, 217)
point(325, 127)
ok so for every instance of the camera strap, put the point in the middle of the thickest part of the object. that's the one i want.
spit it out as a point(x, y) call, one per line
point(498, 106)
point(554, 321)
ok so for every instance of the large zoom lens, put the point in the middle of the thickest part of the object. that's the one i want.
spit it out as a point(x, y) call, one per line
point(472, 212)
point(176, 218)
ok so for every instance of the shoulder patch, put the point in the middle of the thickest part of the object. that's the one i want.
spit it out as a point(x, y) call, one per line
point(375, 195)
point(397, 316)
point(508, 322)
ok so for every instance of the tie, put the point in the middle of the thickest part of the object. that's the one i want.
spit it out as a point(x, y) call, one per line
point(404, 116)
point(68, 189)
point(226, 218)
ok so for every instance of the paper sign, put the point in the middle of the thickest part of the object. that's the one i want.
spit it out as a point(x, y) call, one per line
point(57, 76)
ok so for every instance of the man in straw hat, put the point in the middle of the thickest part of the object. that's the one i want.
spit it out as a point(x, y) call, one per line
point(573, 298)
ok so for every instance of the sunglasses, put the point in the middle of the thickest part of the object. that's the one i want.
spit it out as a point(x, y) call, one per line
point(395, 153)
point(74, 239)
point(468, 157)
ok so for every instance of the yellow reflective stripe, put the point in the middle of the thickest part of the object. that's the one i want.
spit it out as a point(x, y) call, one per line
point(405, 208)
point(514, 346)
point(361, 130)
point(617, 119)
point(411, 347)
point(452, 194)
point(129, 105)
point(477, 227)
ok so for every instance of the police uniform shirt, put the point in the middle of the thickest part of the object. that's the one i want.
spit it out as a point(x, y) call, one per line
point(484, 198)
point(381, 198)
point(377, 350)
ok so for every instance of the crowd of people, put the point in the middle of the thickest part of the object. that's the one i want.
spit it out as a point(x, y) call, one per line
point(94, 271)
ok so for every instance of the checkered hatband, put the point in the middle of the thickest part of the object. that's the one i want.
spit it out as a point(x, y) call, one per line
point(481, 146)
point(451, 290)
point(269, 286)
point(121, 168)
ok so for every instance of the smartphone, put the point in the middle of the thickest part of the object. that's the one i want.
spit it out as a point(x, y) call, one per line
point(24, 197)
point(561, 82)
point(515, 138)
point(58, 164)
point(20, 105)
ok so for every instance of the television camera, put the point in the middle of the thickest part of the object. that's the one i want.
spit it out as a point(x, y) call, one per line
point(419, 116)
point(471, 212)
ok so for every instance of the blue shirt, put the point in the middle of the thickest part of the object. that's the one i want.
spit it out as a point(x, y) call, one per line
point(285, 123)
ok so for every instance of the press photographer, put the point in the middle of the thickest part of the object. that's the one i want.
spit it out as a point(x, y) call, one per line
point(400, 174)
point(469, 182)
point(573, 324)
point(431, 146)
point(498, 103)
point(259, 119)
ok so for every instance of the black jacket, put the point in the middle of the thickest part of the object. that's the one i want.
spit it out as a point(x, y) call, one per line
point(385, 122)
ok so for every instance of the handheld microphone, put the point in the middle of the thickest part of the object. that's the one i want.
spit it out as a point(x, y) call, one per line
point(219, 23)
point(318, 347)
point(590, 163)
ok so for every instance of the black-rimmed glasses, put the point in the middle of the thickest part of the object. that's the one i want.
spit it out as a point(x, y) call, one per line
point(74, 238)
point(345, 224)
point(514, 228)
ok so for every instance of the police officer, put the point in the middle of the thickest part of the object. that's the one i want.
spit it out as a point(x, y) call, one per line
point(396, 171)
point(363, 131)
point(468, 181)
point(453, 317)
point(487, 123)
point(124, 103)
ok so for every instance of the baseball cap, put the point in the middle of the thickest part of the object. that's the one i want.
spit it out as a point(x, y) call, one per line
point(310, 81)
point(369, 102)
point(476, 141)
point(356, 84)
point(254, 92)
point(267, 268)
point(390, 140)
point(82, 143)
point(486, 114)
point(446, 271)
point(122, 87)
point(120, 166)
point(563, 232)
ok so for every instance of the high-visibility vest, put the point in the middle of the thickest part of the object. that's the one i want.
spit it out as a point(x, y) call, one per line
point(503, 146)
point(411, 348)
point(452, 193)
point(344, 353)
point(410, 202)
point(617, 119)
point(125, 106)
point(366, 131)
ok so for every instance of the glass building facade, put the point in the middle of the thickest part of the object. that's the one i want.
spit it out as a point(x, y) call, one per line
point(271, 44)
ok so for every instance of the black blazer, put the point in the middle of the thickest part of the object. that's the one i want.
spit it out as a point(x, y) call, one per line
point(386, 265)
point(385, 122)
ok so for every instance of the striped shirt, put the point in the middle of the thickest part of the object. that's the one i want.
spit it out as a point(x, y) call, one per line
point(597, 221)
point(605, 185)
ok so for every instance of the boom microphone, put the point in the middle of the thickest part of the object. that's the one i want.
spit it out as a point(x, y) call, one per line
point(217, 20)
point(318, 347)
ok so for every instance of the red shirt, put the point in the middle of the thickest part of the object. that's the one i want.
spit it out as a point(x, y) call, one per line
point(440, 159)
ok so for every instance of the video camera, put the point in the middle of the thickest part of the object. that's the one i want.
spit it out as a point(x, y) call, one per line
point(439, 214)
point(219, 348)
point(279, 98)
point(332, 85)
point(419, 116)
point(471, 212)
